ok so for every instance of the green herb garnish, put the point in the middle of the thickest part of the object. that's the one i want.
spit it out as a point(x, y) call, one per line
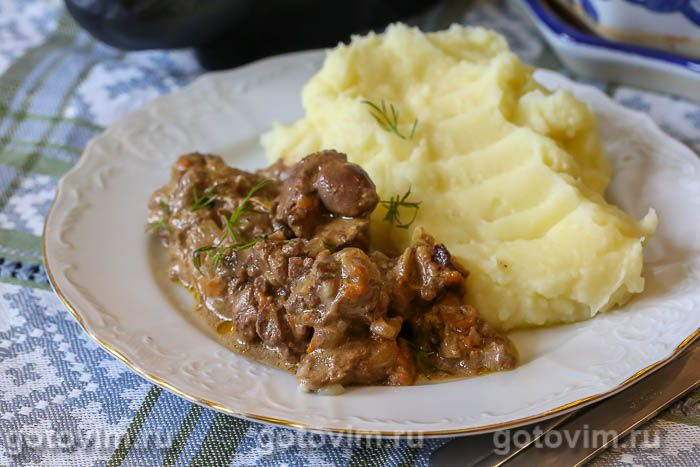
point(197, 256)
point(329, 247)
point(388, 119)
point(203, 201)
point(215, 253)
point(163, 223)
point(231, 227)
point(394, 204)
point(423, 361)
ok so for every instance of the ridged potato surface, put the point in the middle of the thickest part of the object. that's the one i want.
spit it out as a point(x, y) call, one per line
point(511, 177)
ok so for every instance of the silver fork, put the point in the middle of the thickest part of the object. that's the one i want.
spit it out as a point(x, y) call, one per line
point(617, 415)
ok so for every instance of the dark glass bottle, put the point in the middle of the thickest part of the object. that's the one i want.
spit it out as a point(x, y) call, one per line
point(226, 33)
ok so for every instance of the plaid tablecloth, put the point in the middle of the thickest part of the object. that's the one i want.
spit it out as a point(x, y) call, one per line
point(64, 400)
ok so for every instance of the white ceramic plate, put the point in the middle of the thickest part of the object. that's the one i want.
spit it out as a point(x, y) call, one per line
point(111, 275)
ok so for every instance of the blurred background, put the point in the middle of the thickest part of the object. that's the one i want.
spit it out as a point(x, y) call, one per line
point(225, 33)
point(626, 47)
point(640, 42)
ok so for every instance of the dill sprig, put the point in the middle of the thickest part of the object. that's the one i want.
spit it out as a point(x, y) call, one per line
point(423, 361)
point(205, 200)
point(388, 119)
point(215, 253)
point(394, 204)
point(197, 256)
point(231, 224)
point(163, 223)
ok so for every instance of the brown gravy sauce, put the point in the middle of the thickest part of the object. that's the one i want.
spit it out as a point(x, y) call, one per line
point(226, 335)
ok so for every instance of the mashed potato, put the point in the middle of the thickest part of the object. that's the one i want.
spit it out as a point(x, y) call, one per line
point(511, 177)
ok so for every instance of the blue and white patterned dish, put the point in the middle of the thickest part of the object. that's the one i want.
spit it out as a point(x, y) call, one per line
point(670, 25)
point(596, 57)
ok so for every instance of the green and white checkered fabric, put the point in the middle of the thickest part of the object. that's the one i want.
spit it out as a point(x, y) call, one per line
point(65, 401)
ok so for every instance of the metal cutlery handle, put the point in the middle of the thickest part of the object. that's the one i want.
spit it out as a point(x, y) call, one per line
point(617, 416)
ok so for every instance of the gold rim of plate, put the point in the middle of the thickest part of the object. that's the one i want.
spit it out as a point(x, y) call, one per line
point(344, 431)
